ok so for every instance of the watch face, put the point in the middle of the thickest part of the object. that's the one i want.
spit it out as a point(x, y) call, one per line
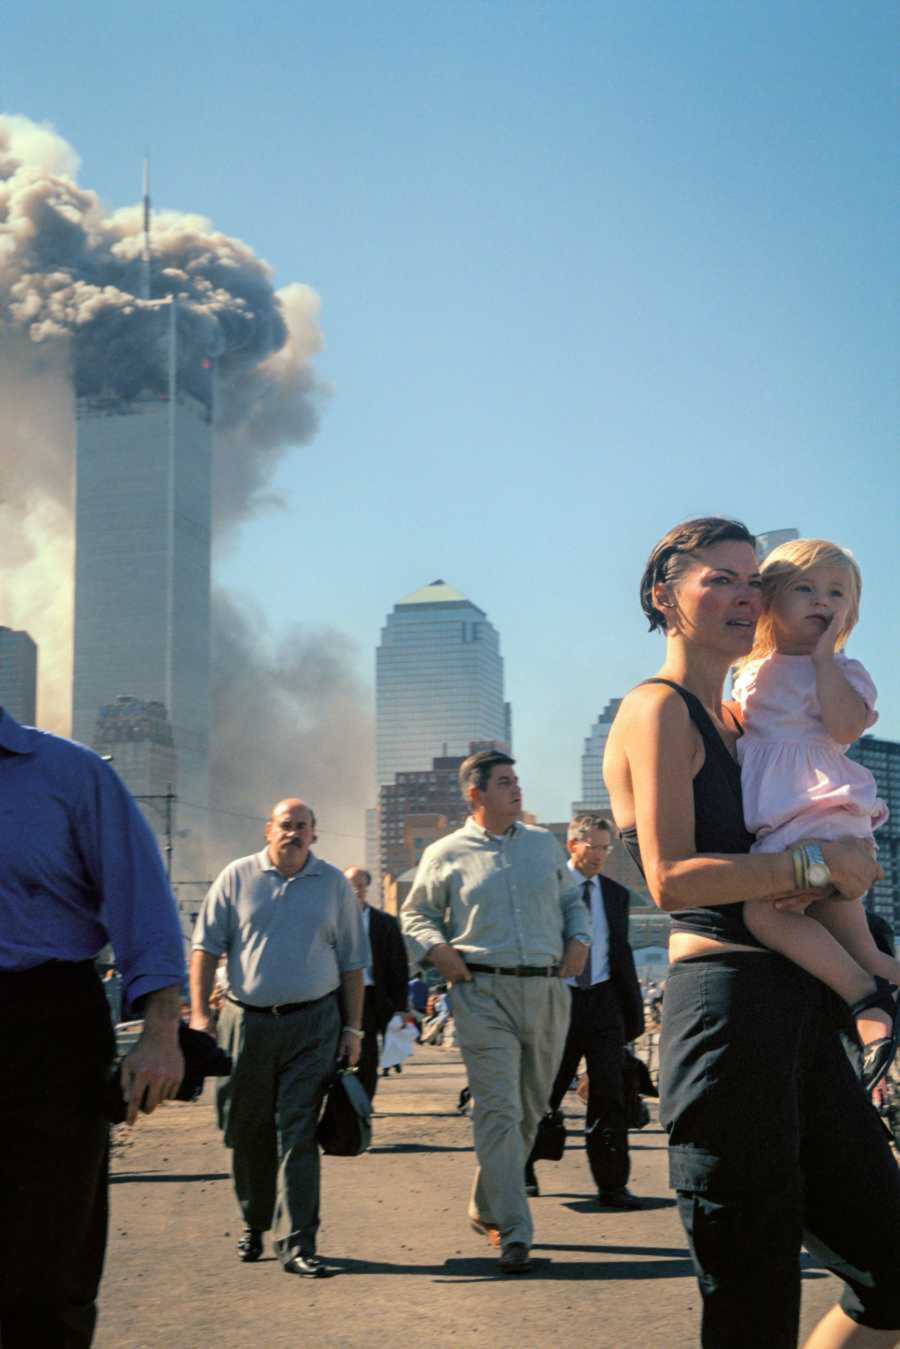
point(818, 874)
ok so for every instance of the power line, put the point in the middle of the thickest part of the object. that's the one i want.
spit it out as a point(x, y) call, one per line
point(259, 819)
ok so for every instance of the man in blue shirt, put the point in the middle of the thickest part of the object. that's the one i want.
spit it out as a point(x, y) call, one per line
point(78, 867)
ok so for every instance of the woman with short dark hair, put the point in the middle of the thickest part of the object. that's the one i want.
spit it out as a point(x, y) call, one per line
point(772, 1139)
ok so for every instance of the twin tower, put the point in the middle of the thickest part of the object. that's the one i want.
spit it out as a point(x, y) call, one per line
point(142, 583)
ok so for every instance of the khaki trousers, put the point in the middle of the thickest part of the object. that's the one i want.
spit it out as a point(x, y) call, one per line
point(511, 1032)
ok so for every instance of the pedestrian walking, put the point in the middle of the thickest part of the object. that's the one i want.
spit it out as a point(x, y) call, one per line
point(607, 1012)
point(494, 909)
point(772, 1140)
point(79, 868)
point(292, 932)
point(385, 979)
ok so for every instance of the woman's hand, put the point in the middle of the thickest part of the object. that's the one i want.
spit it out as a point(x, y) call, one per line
point(852, 866)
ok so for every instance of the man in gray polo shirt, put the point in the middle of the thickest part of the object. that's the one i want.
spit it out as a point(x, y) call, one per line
point(290, 929)
point(494, 909)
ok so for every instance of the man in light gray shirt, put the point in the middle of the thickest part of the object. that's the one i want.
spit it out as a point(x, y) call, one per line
point(290, 929)
point(495, 910)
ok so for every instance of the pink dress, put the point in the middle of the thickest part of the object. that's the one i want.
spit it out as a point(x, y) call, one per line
point(797, 782)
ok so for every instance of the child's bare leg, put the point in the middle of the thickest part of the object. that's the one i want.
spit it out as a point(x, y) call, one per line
point(846, 921)
point(809, 944)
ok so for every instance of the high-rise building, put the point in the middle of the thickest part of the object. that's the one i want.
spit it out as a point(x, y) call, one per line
point(137, 737)
point(438, 682)
point(438, 689)
point(882, 758)
point(418, 808)
point(18, 675)
point(142, 553)
point(773, 538)
point(594, 796)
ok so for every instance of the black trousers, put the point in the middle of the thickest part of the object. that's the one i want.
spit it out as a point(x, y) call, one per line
point(56, 1045)
point(597, 1033)
point(772, 1143)
point(367, 1069)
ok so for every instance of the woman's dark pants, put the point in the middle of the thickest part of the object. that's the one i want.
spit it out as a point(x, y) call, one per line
point(773, 1143)
point(56, 1044)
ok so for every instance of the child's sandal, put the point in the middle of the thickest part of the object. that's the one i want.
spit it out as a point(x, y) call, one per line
point(878, 1055)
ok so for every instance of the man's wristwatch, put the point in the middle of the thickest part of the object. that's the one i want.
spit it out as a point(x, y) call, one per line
point(817, 872)
point(360, 1034)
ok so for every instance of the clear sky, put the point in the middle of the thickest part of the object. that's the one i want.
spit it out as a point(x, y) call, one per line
point(585, 269)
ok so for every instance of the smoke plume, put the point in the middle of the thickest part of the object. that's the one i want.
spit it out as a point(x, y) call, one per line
point(315, 732)
point(73, 324)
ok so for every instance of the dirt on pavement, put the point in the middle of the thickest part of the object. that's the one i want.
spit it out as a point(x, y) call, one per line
point(394, 1224)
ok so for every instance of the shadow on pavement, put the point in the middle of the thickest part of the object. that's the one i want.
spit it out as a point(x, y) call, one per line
point(420, 1147)
point(582, 1205)
point(417, 1114)
point(165, 1177)
point(478, 1269)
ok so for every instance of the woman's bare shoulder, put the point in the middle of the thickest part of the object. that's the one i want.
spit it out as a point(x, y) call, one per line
point(659, 703)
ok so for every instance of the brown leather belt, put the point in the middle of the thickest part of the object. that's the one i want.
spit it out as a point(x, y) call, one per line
point(279, 1008)
point(517, 971)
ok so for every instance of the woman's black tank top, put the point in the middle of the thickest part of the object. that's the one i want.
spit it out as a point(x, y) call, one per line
point(718, 825)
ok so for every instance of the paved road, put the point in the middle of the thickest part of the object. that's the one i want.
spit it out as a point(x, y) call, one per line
point(395, 1224)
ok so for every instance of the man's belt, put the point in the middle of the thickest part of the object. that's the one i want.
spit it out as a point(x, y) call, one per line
point(517, 971)
point(279, 1008)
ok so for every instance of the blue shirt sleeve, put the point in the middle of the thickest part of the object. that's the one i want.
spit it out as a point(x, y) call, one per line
point(123, 861)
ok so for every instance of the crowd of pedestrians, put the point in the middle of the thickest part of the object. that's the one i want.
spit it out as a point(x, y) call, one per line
point(751, 831)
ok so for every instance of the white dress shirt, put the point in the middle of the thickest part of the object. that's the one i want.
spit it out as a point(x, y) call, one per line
point(599, 956)
point(368, 976)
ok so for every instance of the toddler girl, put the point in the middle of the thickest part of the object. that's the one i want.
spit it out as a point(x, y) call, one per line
point(803, 704)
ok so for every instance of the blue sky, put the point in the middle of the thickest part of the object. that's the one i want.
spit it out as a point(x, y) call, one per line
point(585, 269)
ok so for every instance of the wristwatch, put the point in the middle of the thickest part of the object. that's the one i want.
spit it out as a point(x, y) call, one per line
point(817, 873)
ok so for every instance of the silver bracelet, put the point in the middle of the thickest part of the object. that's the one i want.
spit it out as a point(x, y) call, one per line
point(360, 1034)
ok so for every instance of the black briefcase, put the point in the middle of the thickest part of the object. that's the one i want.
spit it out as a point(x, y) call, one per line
point(202, 1058)
point(638, 1083)
point(550, 1140)
point(345, 1125)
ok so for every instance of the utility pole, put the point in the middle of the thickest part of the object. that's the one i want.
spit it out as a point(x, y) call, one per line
point(169, 797)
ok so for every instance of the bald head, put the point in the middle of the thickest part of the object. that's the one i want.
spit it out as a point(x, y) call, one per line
point(360, 880)
point(290, 833)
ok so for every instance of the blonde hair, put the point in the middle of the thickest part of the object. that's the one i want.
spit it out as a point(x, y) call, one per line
point(783, 565)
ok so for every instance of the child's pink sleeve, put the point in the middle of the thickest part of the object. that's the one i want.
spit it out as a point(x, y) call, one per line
point(859, 679)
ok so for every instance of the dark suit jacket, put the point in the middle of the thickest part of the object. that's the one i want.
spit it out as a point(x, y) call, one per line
point(390, 968)
point(621, 960)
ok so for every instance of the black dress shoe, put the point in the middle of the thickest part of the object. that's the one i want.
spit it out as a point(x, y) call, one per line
point(308, 1267)
point(532, 1189)
point(250, 1246)
point(514, 1259)
point(620, 1197)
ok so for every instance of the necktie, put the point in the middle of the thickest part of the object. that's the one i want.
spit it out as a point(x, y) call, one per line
point(586, 977)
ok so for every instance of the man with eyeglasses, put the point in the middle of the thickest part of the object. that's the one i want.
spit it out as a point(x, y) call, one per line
point(291, 931)
point(607, 1012)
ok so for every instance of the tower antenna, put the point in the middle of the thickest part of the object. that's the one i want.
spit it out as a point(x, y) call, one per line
point(145, 247)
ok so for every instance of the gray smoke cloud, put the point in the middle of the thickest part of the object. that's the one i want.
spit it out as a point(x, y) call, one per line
point(71, 273)
point(73, 324)
point(315, 728)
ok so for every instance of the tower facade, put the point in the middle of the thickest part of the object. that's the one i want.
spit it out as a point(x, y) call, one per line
point(438, 688)
point(137, 737)
point(142, 555)
point(438, 682)
point(882, 758)
point(18, 675)
point(594, 795)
